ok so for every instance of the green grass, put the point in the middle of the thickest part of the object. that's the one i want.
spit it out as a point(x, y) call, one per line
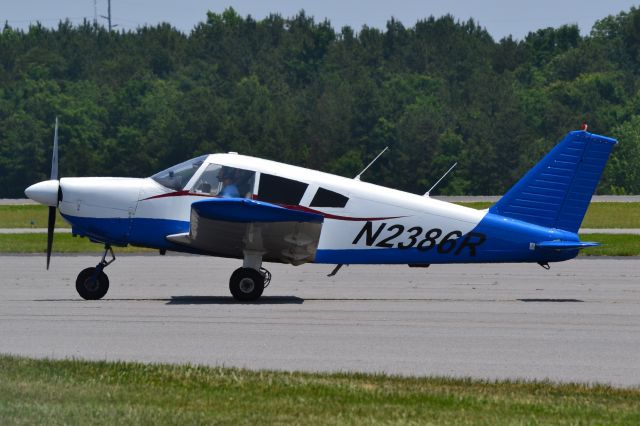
point(80, 392)
point(612, 215)
point(62, 243)
point(28, 216)
point(599, 215)
point(479, 205)
point(612, 245)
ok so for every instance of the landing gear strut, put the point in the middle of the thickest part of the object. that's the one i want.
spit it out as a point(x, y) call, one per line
point(247, 283)
point(93, 283)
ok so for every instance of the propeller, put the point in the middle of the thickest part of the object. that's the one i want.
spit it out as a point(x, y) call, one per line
point(49, 193)
point(52, 209)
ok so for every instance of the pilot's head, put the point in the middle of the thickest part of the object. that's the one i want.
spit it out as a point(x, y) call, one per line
point(225, 175)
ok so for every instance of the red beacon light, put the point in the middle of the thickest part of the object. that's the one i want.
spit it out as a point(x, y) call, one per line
point(584, 126)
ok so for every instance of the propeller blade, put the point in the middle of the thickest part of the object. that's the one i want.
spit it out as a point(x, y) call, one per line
point(52, 209)
point(50, 226)
point(54, 157)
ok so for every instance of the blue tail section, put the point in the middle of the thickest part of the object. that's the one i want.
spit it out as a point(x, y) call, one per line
point(556, 192)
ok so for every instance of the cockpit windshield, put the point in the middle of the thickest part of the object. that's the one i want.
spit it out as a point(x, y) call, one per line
point(178, 176)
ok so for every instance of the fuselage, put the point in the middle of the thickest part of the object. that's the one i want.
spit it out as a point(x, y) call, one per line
point(363, 223)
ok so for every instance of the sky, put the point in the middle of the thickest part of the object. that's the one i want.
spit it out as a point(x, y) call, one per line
point(500, 17)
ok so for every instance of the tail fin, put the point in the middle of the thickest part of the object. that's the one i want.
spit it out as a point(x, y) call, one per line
point(557, 191)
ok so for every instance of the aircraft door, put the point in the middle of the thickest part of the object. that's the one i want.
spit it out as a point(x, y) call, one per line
point(225, 182)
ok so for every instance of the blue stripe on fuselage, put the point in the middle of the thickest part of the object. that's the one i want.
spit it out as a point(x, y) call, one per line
point(136, 231)
point(506, 240)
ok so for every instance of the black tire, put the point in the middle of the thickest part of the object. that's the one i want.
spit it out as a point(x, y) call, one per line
point(89, 286)
point(246, 284)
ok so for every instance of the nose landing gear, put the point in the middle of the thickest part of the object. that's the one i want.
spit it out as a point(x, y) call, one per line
point(92, 283)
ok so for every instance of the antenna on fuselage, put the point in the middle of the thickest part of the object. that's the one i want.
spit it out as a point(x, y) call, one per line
point(426, 194)
point(369, 165)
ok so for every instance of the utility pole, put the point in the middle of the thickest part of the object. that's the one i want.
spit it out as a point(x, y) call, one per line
point(108, 17)
point(95, 13)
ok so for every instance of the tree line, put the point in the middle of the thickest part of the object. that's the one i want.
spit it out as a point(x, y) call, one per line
point(131, 103)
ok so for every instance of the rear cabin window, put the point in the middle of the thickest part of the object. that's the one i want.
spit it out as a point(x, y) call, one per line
point(279, 190)
point(326, 198)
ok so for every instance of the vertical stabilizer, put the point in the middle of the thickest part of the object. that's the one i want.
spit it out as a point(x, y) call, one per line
point(557, 191)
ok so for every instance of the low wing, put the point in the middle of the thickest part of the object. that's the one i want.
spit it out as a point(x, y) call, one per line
point(231, 227)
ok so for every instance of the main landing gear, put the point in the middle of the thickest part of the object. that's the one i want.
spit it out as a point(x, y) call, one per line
point(93, 283)
point(247, 283)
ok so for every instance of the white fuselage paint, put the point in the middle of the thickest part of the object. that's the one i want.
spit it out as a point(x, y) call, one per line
point(108, 197)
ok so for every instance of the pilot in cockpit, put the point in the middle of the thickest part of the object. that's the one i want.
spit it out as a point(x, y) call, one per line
point(229, 188)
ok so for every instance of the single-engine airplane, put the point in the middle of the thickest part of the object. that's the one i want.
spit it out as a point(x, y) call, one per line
point(257, 210)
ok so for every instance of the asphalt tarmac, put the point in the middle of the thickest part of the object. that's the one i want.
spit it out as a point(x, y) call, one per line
point(579, 321)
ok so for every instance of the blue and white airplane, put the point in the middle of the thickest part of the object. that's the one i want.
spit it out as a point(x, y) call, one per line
point(257, 210)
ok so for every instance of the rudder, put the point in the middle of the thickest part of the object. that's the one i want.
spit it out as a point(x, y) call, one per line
point(557, 191)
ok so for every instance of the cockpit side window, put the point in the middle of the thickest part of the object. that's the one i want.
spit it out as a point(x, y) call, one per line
point(178, 176)
point(226, 182)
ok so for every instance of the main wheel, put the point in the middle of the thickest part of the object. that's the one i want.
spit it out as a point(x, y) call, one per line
point(92, 286)
point(246, 284)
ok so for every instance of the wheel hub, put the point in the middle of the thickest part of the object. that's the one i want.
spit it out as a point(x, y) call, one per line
point(91, 284)
point(247, 285)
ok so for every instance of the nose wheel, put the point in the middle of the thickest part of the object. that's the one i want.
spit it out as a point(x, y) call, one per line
point(92, 283)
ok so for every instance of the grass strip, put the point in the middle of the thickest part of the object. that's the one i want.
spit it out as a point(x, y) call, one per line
point(478, 205)
point(83, 392)
point(599, 215)
point(612, 215)
point(28, 216)
point(62, 243)
point(613, 245)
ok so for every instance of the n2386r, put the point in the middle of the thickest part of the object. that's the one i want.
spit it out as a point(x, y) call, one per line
point(396, 235)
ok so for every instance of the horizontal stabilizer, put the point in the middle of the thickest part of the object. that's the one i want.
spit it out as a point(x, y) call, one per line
point(556, 192)
point(243, 210)
point(566, 245)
